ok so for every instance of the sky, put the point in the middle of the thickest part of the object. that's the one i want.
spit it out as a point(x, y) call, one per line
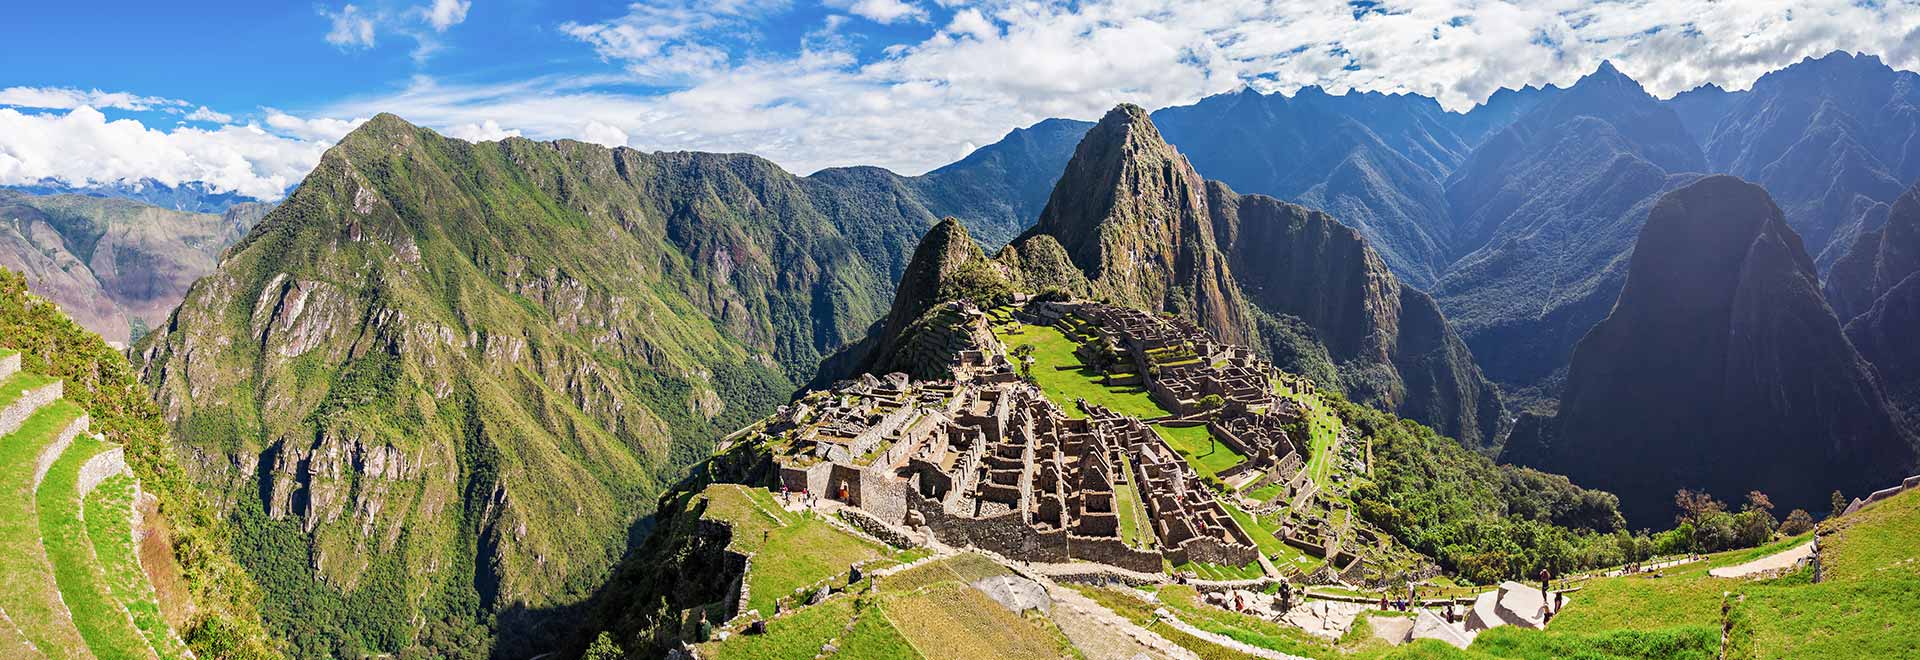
point(245, 95)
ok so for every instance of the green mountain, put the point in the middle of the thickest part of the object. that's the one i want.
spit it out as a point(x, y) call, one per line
point(1139, 227)
point(117, 266)
point(1721, 369)
point(447, 380)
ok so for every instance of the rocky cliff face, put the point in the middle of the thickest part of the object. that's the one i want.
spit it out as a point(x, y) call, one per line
point(1720, 368)
point(1389, 342)
point(1875, 288)
point(1136, 225)
point(117, 266)
point(948, 265)
point(1828, 138)
point(1546, 214)
point(1131, 214)
point(387, 378)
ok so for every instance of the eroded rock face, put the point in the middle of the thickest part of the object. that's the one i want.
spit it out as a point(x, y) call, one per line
point(1721, 368)
point(1136, 225)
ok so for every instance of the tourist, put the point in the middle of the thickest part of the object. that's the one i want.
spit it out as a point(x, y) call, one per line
point(1546, 580)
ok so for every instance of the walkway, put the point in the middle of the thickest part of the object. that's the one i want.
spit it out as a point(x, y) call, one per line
point(1782, 560)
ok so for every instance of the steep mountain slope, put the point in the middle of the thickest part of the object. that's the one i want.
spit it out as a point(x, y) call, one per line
point(117, 265)
point(1828, 138)
point(1376, 161)
point(1002, 187)
point(948, 265)
point(163, 552)
point(1389, 341)
point(1878, 260)
point(1547, 211)
point(1131, 214)
point(1130, 221)
point(389, 375)
point(1875, 289)
point(1720, 368)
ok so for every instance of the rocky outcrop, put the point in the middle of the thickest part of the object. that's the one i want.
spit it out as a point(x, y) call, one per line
point(1720, 368)
point(1389, 341)
point(1878, 260)
point(1137, 226)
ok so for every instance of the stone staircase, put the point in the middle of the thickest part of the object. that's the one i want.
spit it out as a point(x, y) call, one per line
point(71, 585)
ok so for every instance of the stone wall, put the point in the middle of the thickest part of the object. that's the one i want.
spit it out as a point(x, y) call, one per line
point(29, 401)
point(812, 478)
point(1007, 534)
point(57, 447)
point(102, 465)
point(1113, 552)
point(872, 526)
point(1213, 551)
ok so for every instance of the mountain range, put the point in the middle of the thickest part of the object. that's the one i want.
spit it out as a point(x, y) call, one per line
point(1721, 368)
point(117, 266)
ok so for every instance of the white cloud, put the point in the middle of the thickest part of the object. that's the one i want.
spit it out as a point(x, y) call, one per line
point(67, 98)
point(603, 134)
point(82, 147)
point(322, 129)
point(444, 14)
point(881, 11)
point(971, 22)
point(487, 131)
point(351, 27)
point(206, 114)
point(672, 41)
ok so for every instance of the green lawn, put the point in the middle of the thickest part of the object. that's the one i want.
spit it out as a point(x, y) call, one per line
point(1206, 455)
point(1135, 528)
point(110, 635)
point(1265, 493)
point(790, 550)
point(1065, 379)
point(110, 529)
point(795, 635)
point(28, 592)
point(1283, 555)
point(11, 388)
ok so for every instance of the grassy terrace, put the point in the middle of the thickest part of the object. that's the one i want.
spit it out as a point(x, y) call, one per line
point(1262, 531)
point(11, 387)
point(1135, 528)
point(1066, 379)
point(28, 592)
point(83, 585)
point(1323, 427)
point(800, 549)
point(1207, 456)
point(110, 529)
point(926, 612)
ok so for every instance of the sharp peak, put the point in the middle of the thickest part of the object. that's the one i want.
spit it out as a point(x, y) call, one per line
point(1126, 113)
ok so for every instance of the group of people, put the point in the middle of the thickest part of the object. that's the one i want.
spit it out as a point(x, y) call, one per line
point(806, 497)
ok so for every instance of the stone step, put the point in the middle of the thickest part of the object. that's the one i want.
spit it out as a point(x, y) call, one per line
point(60, 503)
point(9, 363)
point(28, 593)
point(21, 394)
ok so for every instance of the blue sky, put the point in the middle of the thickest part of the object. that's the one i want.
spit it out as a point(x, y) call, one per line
point(246, 95)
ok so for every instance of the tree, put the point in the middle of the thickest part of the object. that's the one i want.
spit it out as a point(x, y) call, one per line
point(1758, 501)
point(1695, 504)
point(1839, 504)
point(1798, 522)
point(603, 648)
point(1212, 401)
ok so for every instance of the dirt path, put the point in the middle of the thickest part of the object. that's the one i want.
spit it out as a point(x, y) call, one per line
point(1103, 635)
point(1774, 562)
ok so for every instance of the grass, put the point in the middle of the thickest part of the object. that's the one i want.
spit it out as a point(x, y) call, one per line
point(952, 621)
point(1184, 602)
point(796, 635)
point(1065, 379)
point(873, 637)
point(1323, 427)
point(110, 529)
point(1265, 493)
point(14, 385)
point(790, 550)
point(28, 592)
point(109, 633)
point(966, 567)
point(1135, 528)
point(1270, 545)
point(1222, 572)
point(1194, 443)
point(1141, 614)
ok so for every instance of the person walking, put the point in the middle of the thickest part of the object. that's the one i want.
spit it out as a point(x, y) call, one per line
point(1546, 581)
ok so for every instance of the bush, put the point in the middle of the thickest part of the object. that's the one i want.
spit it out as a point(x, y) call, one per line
point(1798, 522)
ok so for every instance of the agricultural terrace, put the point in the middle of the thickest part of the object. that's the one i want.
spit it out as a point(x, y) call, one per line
point(928, 611)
